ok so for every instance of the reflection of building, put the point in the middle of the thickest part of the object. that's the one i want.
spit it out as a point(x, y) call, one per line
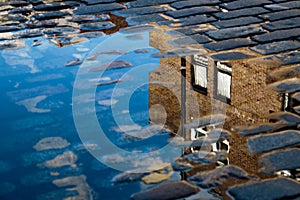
point(218, 84)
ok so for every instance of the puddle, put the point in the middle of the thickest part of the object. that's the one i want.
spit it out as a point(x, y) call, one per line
point(98, 102)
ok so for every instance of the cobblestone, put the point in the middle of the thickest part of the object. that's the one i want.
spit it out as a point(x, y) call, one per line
point(197, 19)
point(276, 47)
point(188, 40)
point(283, 6)
point(236, 22)
point(230, 56)
point(240, 13)
point(277, 35)
point(191, 11)
point(193, 3)
point(229, 44)
point(282, 24)
point(228, 33)
point(141, 11)
point(145, 19)
point(280, 15)
point(97, 9)
point(244, 4)
point(142, 3)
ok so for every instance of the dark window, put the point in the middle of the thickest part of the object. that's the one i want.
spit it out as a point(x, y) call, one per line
point(199, 73)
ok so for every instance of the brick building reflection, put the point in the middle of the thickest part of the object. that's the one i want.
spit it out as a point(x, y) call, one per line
point(233, 87)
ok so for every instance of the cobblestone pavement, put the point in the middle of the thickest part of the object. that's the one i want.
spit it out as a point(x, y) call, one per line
point(228, 30)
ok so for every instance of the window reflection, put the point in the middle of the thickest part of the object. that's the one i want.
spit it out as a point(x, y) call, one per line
point(199, 73)
point(223, 86)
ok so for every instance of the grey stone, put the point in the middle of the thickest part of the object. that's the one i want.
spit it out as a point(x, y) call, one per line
point(145, 19)
point(193, 3)
point(143, 3)
point(56, 6)
point(230, 56)
point(276, 47)
point(228, 33)
point(280, 160)
point(286, 118)
point(282, 24)
point(89, 18)
point(10, 28)
point(59, 31)
point(273, 141)
point(236, 22)
point(177, 53)
point(277, 35)
point(244, 4)
point(16, 17)
point(97, 26)
point(15, 3)
point(92, 2)
point(188, 40)
point(141, 11)
point(285, 5)
point(190, 30)
point(50, 15)
point(97, 9)
point(128, 176)
point(196, 19)
point(278, 188)
point(280, 15)
point(240, 13)
point(167, 191)
point(289, 58)
point(40, 24)
point(216, 177)
point(22, 10)
point(229, 44)
point(191, 11)
point(257, 128)
point(28, 34)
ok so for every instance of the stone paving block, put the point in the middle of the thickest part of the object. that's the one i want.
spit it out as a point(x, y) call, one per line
point(15, 3)
point(188, 40)
point(242, 21)
point(282, 24)
point(277, 35)
point(177, 53)
point(193, 3)
point(240, 13)
point(289, 58)
point(197, 19)
point(229, 44)
point(97, 9)
point(143, 3)
point(50, 15)
point(230, 56)
point(97, 26)
point(276, 47)
point(273, 141)
point(56, 6)
point(167, 191)
point(145, 19)
point(10, 28)
point(244, 4)
point(92, 2)
point(228, 33)
point(191, 11)
point(278, 188)
point(280, 160)
point(190, 30)
point(280, 15)
point(283, 6)
point(140, 11)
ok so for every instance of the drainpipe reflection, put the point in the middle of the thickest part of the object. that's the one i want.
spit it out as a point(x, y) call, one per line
point(183, 107)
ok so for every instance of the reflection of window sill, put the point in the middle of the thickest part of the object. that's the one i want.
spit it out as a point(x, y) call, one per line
point(200, 89)
point(222, 99)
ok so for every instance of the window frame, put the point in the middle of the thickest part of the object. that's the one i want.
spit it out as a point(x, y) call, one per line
point(198, 88)
point(217, 69)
